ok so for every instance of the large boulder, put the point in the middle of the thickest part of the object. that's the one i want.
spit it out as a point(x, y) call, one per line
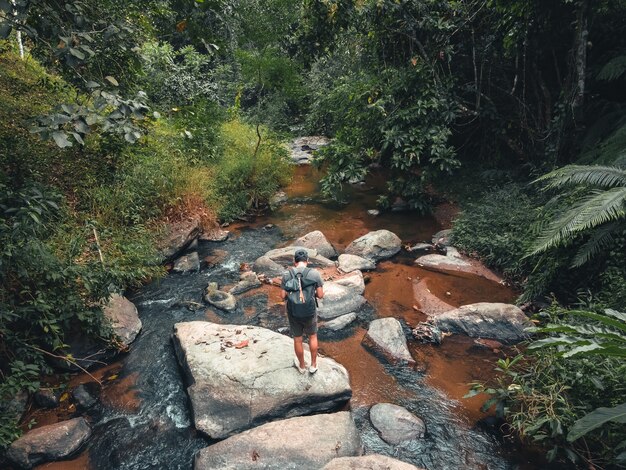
point(243, 376)
point(275, 262)
point(339, 323)
point(51, 442)
point(368, 462)
point(454, 262)
point(396, 424)
point(348, 263)
point(296, 443)
point(503, 322)
point(177, 237)
point(377, 245)
point(386, 336)
point(124, 318)
point(342, 296)
point(317, 241)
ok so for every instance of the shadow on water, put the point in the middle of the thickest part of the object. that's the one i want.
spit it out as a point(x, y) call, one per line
point(142, 420)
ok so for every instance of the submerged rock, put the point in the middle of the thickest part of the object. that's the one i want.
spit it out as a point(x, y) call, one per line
point(349, 263)
point(377, 245)
point(187, 263)
point(503, 322)
point(243, 376)
point(220, 299)
point(51, 442)
point(368, 462)
point(306, 442)
point(386, 335)
point(124, 318)
point(278, 199)
point(396, 424)
point(339, 323)
point(317, 241)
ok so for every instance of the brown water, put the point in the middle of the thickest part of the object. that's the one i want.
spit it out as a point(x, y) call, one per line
point(449, 367)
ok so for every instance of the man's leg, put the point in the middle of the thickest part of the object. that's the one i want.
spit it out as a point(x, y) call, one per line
point(299, 350)
point(313, 348)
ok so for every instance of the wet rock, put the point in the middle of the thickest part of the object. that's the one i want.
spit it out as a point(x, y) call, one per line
point(484, 343)
point(428, 302)
point(503, 322)
point(268, 267)
point(368, 462)
point(373, 212)
point(220, 299)
point(342, 296)
point(454, 262)
point(386, 335)
point(377, 245)
point(341, 322)
point(85, 395)
point(187, 264)
point(193, 246)
point(302, 148)
point(46, 398)
point(349, 263)
point(48, 443)
point(427, 333)
point(306, 442)
point(317, 241)
point(443, 237)
point(216, 235)
point(247, 281)
point(124, 318)
point(243, 376)
point(396, 424)
point(15, 406)
point(420, 248)
point(399, 205)
point(177, 237)
point(278, 199)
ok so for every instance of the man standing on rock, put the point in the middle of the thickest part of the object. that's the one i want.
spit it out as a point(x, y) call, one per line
point(301, 286)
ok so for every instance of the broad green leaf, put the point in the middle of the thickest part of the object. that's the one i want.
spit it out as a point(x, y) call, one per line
point(111, 80)
point(595, 419)
point(76, 53)
point(61, 139)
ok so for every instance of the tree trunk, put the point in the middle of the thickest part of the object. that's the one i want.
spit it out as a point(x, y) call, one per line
point(580, 58)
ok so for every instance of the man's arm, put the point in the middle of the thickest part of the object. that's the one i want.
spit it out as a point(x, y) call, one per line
point(319, 292)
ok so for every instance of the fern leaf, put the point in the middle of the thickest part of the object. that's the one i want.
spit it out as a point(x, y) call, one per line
point(572, 175)
point(613, 69)
point(600, 240)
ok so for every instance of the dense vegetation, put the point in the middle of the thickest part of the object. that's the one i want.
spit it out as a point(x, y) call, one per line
point(122, 116)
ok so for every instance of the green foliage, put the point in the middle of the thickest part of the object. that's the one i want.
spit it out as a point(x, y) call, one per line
point(498, 229)
point(548, 395)
point(245, 180)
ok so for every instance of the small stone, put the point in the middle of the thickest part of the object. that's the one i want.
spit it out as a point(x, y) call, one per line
point(220, 299)
point(46, 398)
point(341, 322)
point(373, 212)
point(188, 263)
point(85, 395)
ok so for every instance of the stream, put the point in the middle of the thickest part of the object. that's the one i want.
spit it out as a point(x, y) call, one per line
point(142, 420)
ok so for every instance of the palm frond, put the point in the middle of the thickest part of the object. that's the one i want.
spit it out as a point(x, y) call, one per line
point(596, 175)
point(599, 207)
point(600, 240)
point(613, 69)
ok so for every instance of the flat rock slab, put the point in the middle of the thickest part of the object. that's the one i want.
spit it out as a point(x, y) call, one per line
point(48, 443)
point(386, 335)
point(375, 246)
point(339, 323)
point(317, 241)
point(187, 263)
point(348, 263)
point(306, 442)
point(454, 262)
point(503, 322)
point(177, 237)
point(396, 424)
point(243, 376)
point(214, 235)
point(368, 462)
point(428, 302)
point(124, 318)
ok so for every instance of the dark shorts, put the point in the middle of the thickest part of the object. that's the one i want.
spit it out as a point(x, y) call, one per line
point(298, 326)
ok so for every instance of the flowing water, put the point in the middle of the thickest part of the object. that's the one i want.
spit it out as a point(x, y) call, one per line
point(143, 422)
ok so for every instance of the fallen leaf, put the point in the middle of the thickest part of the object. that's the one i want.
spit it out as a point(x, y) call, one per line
point(242, 344)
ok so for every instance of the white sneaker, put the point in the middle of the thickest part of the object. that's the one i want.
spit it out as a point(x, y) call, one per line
point(312, 370)
point(296, 364)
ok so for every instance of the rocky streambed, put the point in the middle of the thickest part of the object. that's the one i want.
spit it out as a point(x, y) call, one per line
point(210, 383)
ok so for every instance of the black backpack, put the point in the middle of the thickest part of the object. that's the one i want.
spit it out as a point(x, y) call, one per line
point(301, 300)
